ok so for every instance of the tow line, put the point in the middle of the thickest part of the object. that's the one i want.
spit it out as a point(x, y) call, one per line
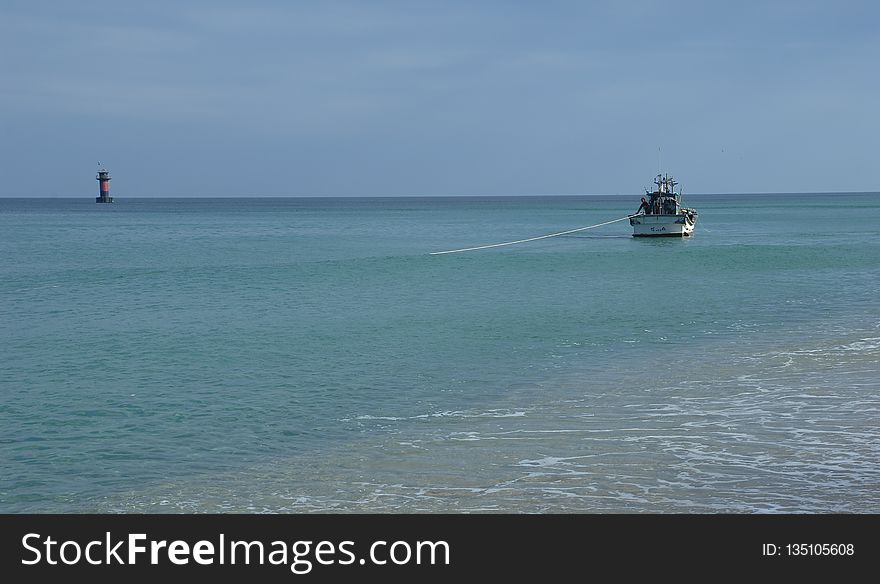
point(531, 238)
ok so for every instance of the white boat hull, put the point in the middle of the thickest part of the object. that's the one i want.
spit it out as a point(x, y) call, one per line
point(681, 225)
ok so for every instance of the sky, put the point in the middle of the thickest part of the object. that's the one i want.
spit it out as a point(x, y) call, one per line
point(417, 98)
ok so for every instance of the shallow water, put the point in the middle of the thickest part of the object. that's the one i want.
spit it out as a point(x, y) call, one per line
point(307, 355)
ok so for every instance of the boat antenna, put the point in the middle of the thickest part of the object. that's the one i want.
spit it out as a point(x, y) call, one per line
point(659, 161)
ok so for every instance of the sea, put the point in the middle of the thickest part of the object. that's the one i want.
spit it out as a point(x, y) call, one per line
point(302, 355)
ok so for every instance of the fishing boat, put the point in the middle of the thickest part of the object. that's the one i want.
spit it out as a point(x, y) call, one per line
point(661, 213)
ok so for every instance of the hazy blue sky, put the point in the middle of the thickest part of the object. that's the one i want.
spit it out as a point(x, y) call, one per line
point(437, 98)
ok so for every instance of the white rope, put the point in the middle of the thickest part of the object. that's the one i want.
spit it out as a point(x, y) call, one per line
point(531, 238)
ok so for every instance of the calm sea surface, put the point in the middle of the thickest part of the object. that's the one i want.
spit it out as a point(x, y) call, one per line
point(300, 355)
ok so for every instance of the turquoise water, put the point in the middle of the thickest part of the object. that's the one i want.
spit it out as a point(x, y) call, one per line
point(299, 355)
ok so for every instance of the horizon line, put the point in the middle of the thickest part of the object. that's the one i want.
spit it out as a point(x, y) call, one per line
point(471, 196)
